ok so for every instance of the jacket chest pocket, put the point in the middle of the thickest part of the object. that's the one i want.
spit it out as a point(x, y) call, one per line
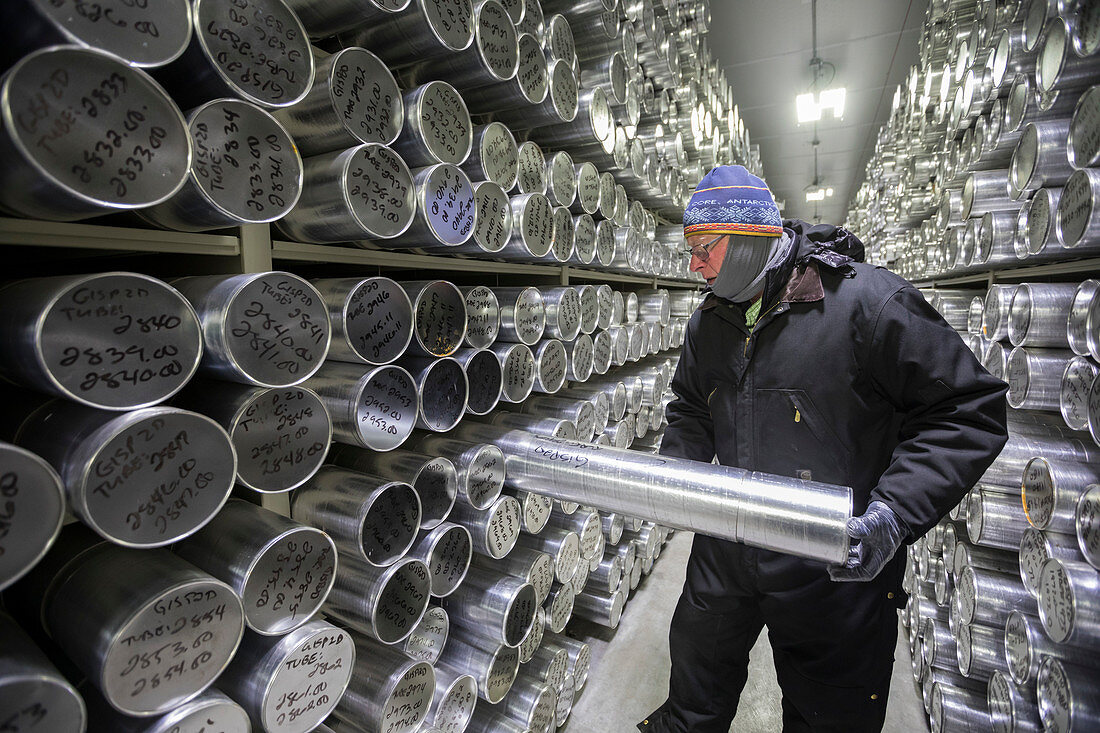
point(792, 438)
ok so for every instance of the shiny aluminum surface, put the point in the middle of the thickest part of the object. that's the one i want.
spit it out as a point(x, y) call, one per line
point(442, 392)
point(579, 366)
point(495, 529)
point(485, 378)
point(270, 328)
point(656, 486)
point(434, 479)
point(354, 99)
point(119, 470)
point(112, 603)
point(383, 603)
point(493, 56)
point(429, 637)
point(281, 435)
point(41, 139)
point(34, 501)
point(115, 341)
point(493, 155)
point(371, 319)
point(388, 691)
point(425, 29)
point(1087, 521)
point(493, 665)
point(531, 176)
point(146, 35)
point(522, 316)
point(532, 228)
point(370, 518)
point(480, 466)
point(493, 220)
point(564, 235)
point(447, 550)
point(289, 684)
point(439, 311)
point(1078, 224)
point(1067, 697)
point(364, 192)
point(550, 366)
point(482, 313)
point(497, 606)
point(454, 701)
point(445, 210)
point(437, 126)
point(1068, 602)
point(245, 169)
point(281, 569)
point(373, 408)
point(224, 57)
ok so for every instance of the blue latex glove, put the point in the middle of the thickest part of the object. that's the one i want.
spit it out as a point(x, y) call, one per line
point(879, 533)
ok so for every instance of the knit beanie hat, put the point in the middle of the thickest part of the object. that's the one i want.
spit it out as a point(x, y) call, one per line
point(730, 200)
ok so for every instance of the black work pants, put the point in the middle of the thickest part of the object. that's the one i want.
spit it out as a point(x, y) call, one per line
point(833, 643)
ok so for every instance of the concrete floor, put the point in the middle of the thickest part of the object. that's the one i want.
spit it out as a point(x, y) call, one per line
point(630, 666)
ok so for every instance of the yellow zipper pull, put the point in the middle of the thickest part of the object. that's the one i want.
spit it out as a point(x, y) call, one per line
point(797, 415)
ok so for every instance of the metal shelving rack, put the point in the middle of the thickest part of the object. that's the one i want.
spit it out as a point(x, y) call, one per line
point(251, 248)
point(1086, 267)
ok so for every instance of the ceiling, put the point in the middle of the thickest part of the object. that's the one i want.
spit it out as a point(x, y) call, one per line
point(765, 48)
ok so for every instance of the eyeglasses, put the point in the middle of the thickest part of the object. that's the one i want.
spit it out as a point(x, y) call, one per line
point(702, 251)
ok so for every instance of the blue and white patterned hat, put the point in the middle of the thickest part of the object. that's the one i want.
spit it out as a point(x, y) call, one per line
point(730, 200)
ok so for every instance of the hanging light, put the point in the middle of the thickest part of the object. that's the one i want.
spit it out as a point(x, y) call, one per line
point(810, 106)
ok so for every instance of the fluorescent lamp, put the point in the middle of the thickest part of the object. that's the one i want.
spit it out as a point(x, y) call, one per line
point(818, 194)
point(833, 99)
point(809, 108)
point(808, 111)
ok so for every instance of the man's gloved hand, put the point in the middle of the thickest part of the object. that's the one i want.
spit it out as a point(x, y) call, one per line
point(880, 533)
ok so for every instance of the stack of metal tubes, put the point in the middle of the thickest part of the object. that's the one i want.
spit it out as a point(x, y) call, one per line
point(437, 527)
point(433, 548)
point(1003, 592)
point(989, 158)
point(495, 130)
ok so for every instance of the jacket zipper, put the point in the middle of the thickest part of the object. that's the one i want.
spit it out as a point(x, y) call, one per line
point(745, 352)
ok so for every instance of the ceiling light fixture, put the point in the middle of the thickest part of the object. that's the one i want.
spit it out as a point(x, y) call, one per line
point(810, 106)
point(818, 193)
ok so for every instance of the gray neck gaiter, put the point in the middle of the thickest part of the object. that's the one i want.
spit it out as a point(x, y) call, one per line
point(747, 262)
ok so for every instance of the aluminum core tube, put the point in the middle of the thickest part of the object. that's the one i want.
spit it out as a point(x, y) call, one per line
point(291, 683)
point(34, 509)
point(282, 570)
point(434, 479)
point(158, 340)
point(105, 603)
point(384, 603)
point(480, 466)
point(758, 508)
point(97, 455)
point(501, 607)
point(447, 551)
point(372, 319)
point(388, 691)
point(485, 378)
point(492, 664)
point(372, 518)
point(373, 408)
point(33, 685)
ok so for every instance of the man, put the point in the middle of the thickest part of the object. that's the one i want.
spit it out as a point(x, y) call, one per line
point(802, 361)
